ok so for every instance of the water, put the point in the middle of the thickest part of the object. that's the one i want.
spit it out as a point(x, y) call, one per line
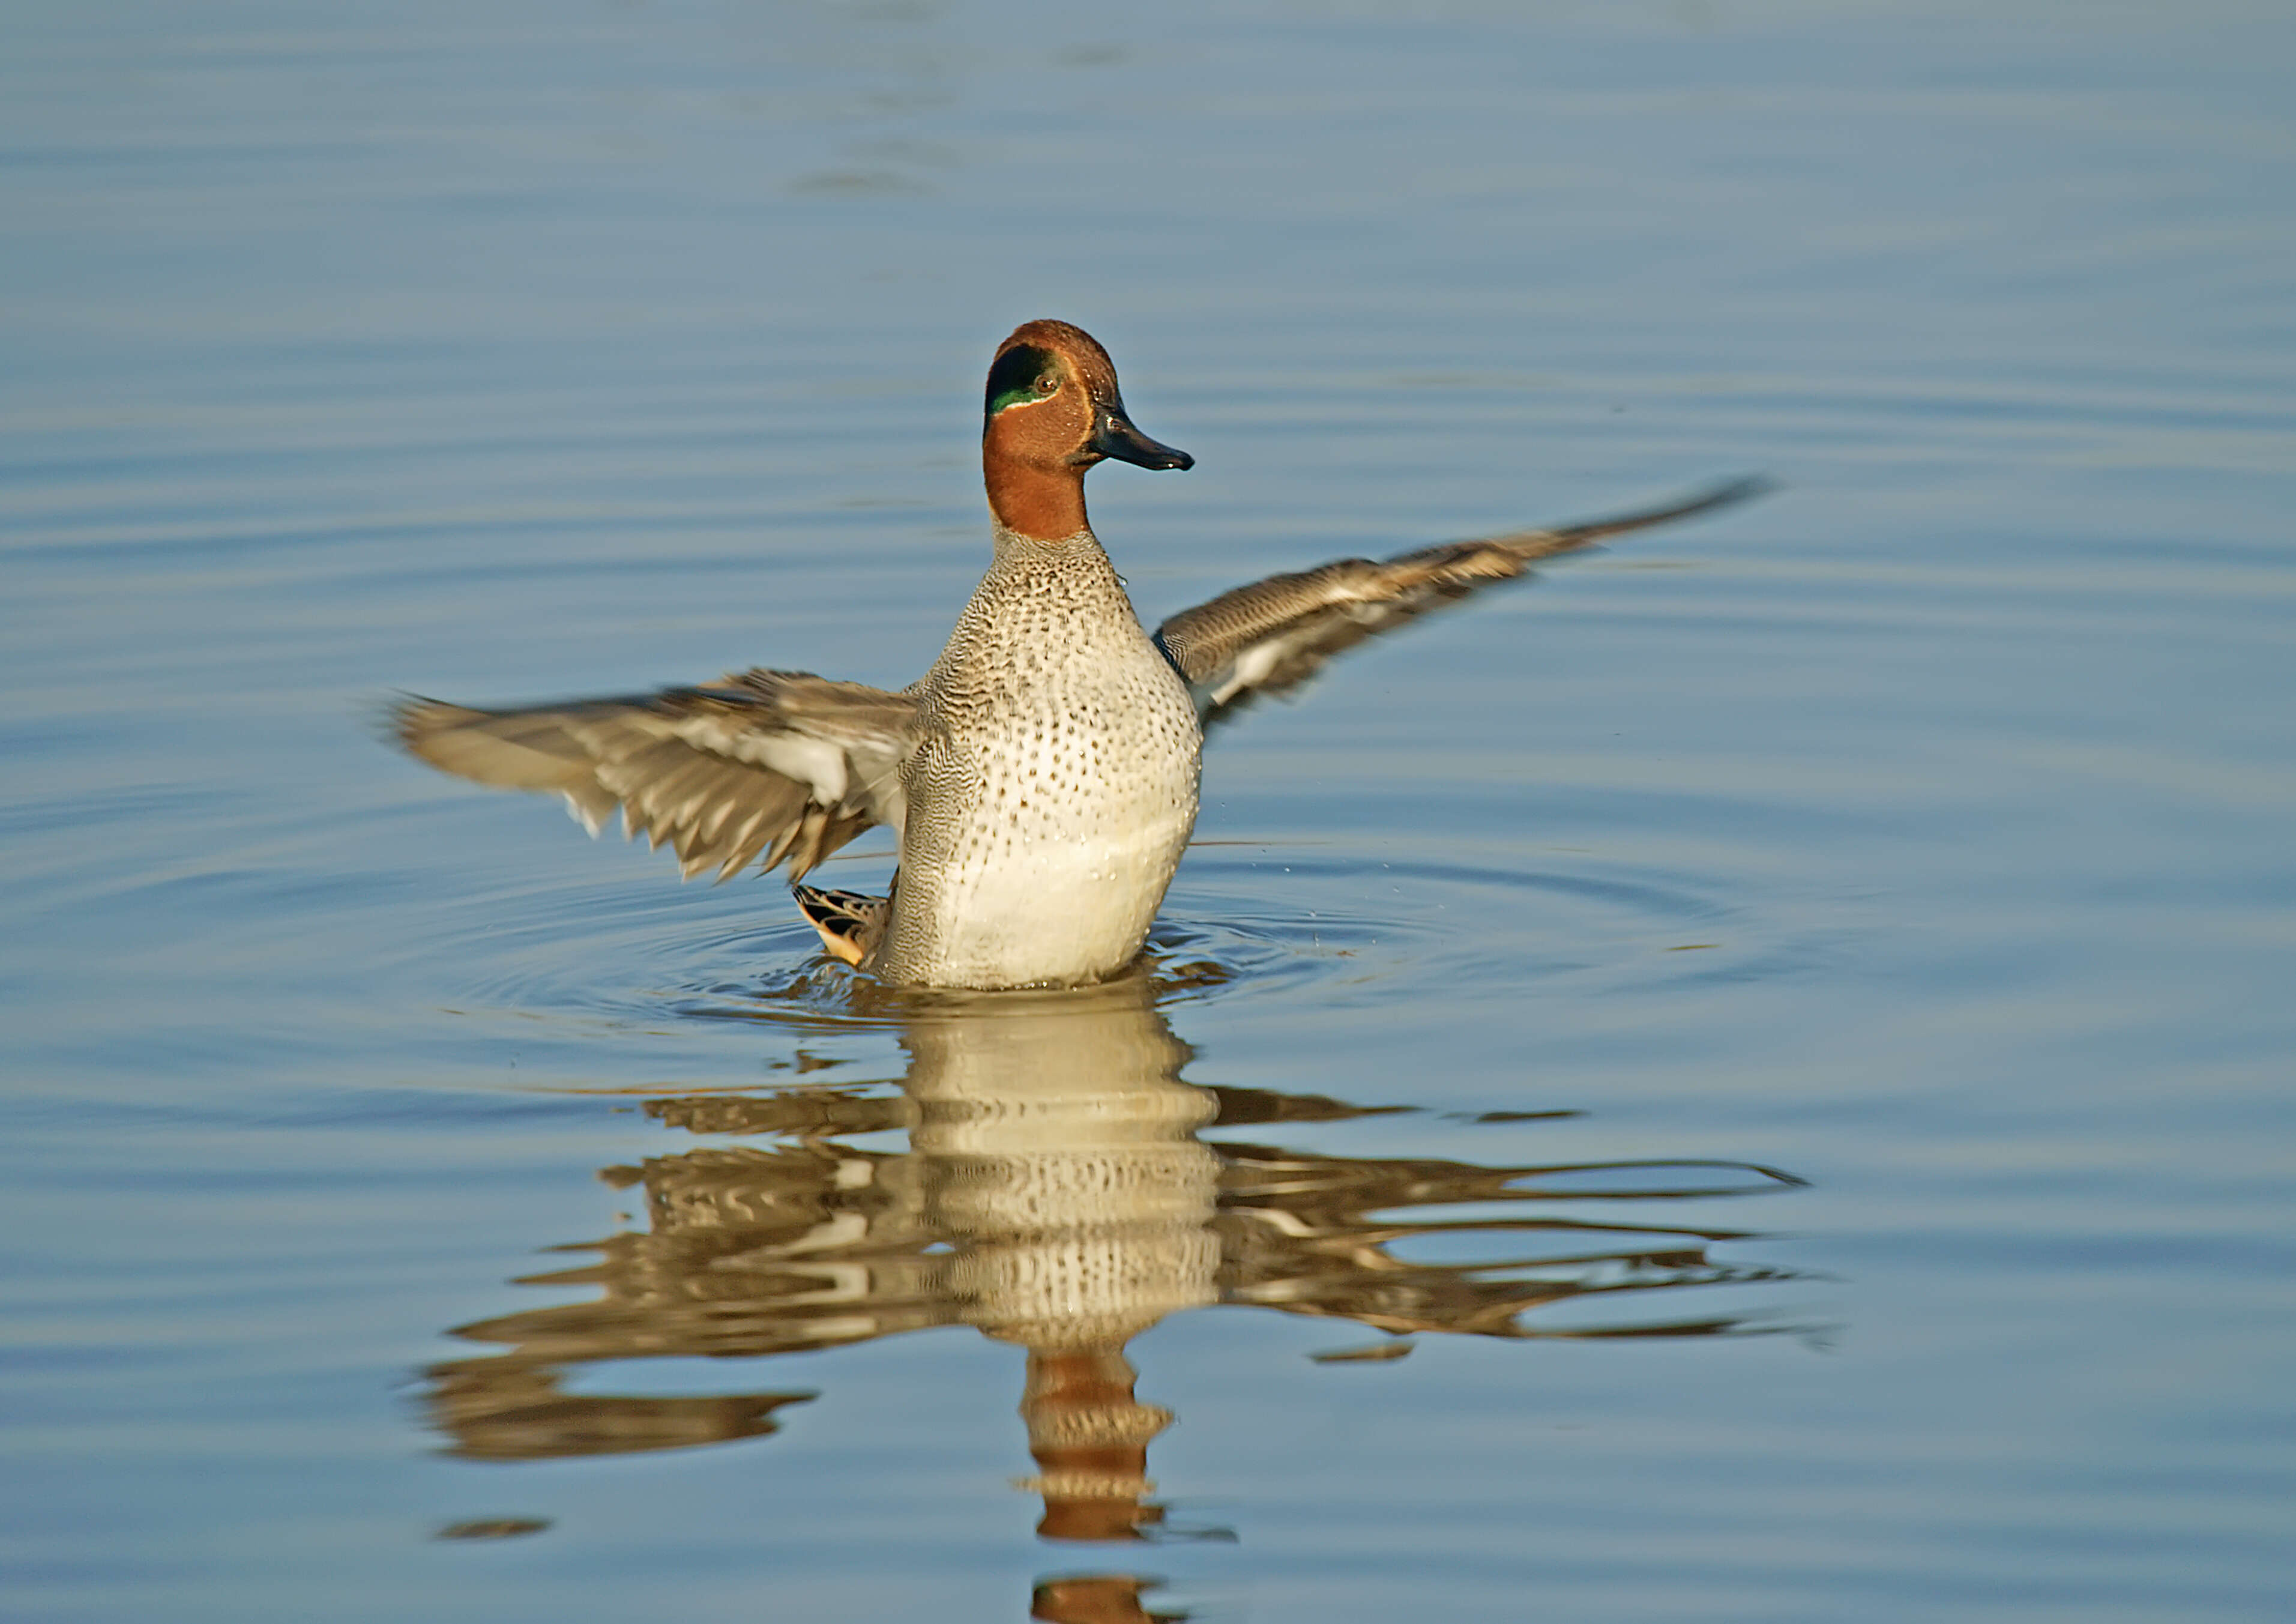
point(1747, 1079)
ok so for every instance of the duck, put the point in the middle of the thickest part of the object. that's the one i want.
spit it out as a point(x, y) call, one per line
point(1041, 780)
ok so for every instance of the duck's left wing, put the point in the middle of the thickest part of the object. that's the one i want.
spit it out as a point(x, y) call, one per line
point(779, 764)
point(1274, 635)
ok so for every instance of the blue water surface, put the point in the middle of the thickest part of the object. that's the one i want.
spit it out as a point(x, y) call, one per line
point(1748, 1080)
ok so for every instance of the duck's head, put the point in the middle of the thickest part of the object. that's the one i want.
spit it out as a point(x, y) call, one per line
point(1053, 411)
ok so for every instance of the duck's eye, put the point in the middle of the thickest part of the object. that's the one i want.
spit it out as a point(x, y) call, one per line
point(1048, 384)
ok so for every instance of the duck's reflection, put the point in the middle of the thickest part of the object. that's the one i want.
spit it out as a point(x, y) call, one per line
point(1055, 1193)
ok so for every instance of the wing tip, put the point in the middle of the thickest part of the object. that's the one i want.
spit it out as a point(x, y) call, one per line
point(1706, 499)
point(1730, 492)
point(416, 722)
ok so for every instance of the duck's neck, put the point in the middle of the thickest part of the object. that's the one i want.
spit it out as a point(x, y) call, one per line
point(1031, 499)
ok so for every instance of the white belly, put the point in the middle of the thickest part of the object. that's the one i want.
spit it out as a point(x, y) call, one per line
point(1051, 908)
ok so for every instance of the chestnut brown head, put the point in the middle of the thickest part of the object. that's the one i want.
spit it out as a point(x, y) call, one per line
point(1052, 411)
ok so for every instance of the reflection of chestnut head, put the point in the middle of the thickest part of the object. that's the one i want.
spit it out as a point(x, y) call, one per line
point(1090, 1438)
point(1097, 1599)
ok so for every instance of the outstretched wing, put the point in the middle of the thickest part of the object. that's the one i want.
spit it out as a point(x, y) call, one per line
point(1274, 635)
point(777, 763)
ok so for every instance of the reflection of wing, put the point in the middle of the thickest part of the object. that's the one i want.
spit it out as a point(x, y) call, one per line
point(1272, 635)
point(772, 762)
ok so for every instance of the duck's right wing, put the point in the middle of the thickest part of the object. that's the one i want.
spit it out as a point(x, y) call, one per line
point(1275, 634)
point(777, 764)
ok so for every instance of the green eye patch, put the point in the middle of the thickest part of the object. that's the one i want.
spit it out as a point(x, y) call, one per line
point(1013, 380)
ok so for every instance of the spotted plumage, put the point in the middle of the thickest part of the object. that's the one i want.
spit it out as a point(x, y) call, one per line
point(1041, 778)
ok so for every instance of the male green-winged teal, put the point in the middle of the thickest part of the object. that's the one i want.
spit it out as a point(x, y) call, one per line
point(1041, 778)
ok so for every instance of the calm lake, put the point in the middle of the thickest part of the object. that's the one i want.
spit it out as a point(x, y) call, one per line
point(1752, 1077)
